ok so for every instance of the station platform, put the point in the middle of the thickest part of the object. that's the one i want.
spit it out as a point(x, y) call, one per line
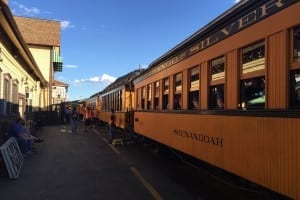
point(73, 166)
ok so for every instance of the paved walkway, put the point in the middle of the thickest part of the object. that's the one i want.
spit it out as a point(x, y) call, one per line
point(73, 166)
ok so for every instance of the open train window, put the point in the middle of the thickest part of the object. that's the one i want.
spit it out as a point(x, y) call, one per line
point(253, 93)
point(295, 89)
point(120, 100)
point(178, 91)
point(253, 57)
point(156, 95)
point(138, 98)
point(149, 96)
point(296, 43)
point(165, 94)
point(193, 97)
point(143, 97)
point(217, 96)
point(217, 68)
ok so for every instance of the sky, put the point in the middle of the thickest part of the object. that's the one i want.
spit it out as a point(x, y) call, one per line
point(102, 40)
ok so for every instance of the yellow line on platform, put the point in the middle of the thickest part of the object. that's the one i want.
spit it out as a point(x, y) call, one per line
point(114, 149)
point(147, 185)
point(110, 145)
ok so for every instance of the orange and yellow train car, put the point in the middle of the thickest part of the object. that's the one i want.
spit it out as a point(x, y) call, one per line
point(118, 96)
point(230, 94)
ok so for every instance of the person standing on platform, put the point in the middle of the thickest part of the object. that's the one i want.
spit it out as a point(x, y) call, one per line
point(87, 117)
point(112, 126)
point(74, 119)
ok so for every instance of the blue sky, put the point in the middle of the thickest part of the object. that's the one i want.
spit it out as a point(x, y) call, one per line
point(104, 39)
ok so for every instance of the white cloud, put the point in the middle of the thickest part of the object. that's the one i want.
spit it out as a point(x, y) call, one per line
point(108, 78)
point(66, 24)
point(71, 66)
point(105, 78)
point(236, 1)
point(24, 10)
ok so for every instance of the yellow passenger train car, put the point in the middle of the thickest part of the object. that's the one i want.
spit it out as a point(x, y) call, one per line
point(230, 94)
point(118, 96)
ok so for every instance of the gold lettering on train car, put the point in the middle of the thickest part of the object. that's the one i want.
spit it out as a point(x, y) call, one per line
point(194, 49)
point(216, 141)
point(252, 17)
point(228, 30)
point(182, 56)
point(213, 39)
point(269, 5)
point(247, 20)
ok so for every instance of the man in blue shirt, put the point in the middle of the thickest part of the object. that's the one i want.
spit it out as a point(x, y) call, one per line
point(23, 139)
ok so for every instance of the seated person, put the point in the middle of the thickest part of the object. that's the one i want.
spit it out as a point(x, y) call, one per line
point(27, 131)
point(24, 139)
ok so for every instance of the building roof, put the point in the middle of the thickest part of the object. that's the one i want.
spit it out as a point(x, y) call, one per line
point(39, 31)
point(19, 47)
point(59, 83)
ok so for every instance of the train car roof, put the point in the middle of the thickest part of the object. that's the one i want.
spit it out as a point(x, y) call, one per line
point(207, 29)
point(121, 81)
point(225, 20)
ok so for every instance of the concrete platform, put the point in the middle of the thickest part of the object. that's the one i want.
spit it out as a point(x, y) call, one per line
point(72, 166)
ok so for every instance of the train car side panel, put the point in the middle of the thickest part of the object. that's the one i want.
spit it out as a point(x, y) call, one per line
point(261, 149)
point(277, 70)
point(120, 118)
point(231, 80)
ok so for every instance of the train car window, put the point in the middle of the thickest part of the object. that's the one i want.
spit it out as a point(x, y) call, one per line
point(103, 103)
point(193, 97)
point(165, 94)
point(253, 93)
point(138, 98)
point(295, 89)
point(253, 57)
point(143, 97)
point(107, 102)
point(120, 100)
point(217, 96)
point(156, 95)
point(177, 92)
point(194, 100)
point(217, 68)
point(296, 43)
point(149, 96)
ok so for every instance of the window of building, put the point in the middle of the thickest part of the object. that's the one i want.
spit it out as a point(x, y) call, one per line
point(178, 91)
point(165, 94)
point(193, 103)
point(295, 89)
point(217, 96)
point(149, 96)
point(156, 95)
point(296, 43)
point(253, 57)
point(15, 97)
point(143, 97)
point(253, 93)
point(7, 93)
